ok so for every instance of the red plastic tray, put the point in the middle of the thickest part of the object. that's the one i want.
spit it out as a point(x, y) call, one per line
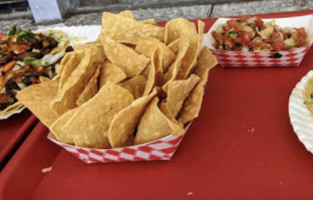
point(241, 147)
point(12, 132)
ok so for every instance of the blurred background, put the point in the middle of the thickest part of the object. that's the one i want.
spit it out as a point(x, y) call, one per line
point(34, 13)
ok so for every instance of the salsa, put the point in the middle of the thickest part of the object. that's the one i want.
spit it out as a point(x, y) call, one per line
point(253, 34)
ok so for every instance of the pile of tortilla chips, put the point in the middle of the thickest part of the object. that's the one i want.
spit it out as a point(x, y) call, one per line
point(137, 83)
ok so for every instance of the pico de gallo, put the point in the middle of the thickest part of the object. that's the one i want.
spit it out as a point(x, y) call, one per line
point(253, 34)
point(24, 57)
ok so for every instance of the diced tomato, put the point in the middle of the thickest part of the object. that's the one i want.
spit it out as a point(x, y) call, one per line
point(279, 46)
point(229, 44)
point(226, 28)
point(259, 22)
point(233, 24)
point(244, 18)
point(300, 37)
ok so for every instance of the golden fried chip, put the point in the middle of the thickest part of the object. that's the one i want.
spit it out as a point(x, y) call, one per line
point(90, 90)
point(124, 123)
point(56, 127)
point(149, 21)
point(43, 79)
point(146, 46)
point(95, 44)
point(90, 123)
point(156, 63)
point(192, 105)
point(68, 65)
point(155, 125)
point(110, 72)
point(178, 91)
point(63, 62)
point(37, 98)
point(124, 57)
point(190, 59)
point(127, 13)
point(135, 85)
point(173, 70)
point(74, 85)
point(174, 46)
point(128, 30)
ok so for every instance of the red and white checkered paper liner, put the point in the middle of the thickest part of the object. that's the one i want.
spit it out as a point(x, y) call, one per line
point(288, 58)
point(161, 149)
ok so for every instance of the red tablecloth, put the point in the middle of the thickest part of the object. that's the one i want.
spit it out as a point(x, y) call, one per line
point(242, 146)
point(12, 133)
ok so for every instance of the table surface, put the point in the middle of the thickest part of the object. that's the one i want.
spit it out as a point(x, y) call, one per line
point(242, 146)
point(12, 133)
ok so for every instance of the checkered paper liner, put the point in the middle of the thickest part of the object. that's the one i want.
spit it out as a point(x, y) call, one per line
point(161, 149)
point(288, 58)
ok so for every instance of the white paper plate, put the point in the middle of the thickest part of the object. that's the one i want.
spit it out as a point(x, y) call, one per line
point(76, 34)
point(301, 117)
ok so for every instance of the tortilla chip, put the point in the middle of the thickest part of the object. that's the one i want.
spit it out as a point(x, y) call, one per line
point(37, 98)
point(63, 62)
point(173, 71)
point(110, 72)
point(68, 94)
point(156, 63)
point(136, 85)
point(83, 47)
point(128, 30)
point(192, 105)
point(90, 90)
point(56, 127)
point(149, 21)
point(124, 123)
point(71, 61)
point(124, 57)
point(174, 46)
point(190, 59)
point(91, 121)
point(146, 46)
point(178, 91)
point(155, 125)
point(43, 79)
point(127, 13)
point(178, 28)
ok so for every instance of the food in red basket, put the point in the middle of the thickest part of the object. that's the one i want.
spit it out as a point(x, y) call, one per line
point(24, 57)
point(253, 34)
point(112, 94)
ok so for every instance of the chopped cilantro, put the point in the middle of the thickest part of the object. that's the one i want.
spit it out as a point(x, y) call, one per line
point(31, 60)
point(23, 35)
point(26, 79)
point(11, 101)
point(27, 60)
point(232, 33)
point(12, 31)
point(238, 44)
